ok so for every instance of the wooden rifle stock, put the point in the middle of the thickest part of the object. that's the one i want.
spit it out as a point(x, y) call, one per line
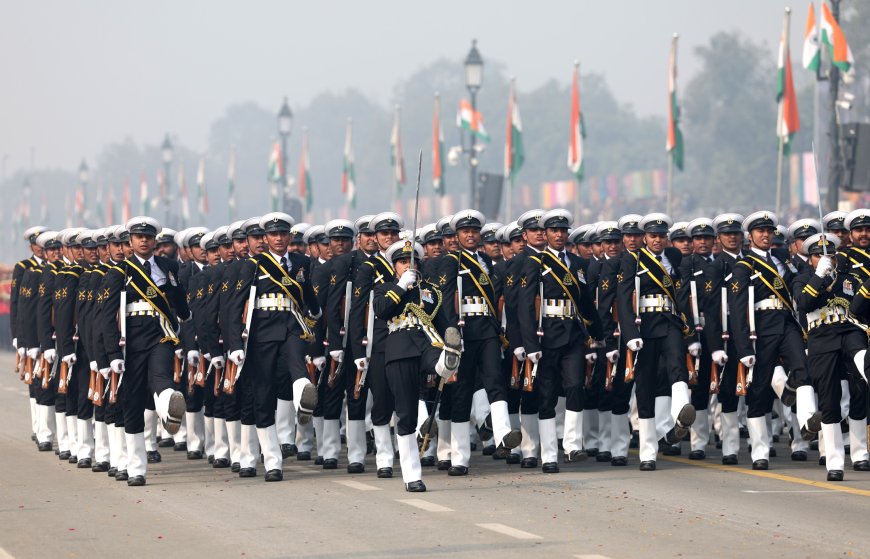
point(516, 383)
point(113, 387)
point(18, 365)
point(217, 380)
point(528, 381)
point(590, 369)
point(91, 383)
point(608, 376)
point(62, 385)
point(28, 369)
point(741, 380)
point(177, 369)
point(199, 379)
point(333, 366)
point(693, 372)
point(99, 388)
point(714, 378)
point(629, 365)
point(309, 366)
point(356, 388)
point(230, 377)
point(191, 377)
point(45, 373)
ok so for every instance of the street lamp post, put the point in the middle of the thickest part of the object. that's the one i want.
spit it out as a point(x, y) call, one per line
point(83, 182)
point(473, 81)
point(285, 125)
point(167, 153)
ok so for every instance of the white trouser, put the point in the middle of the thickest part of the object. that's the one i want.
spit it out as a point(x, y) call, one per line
point(33, 416)
point(72, 433)
point(356, 441)
point(305, 437)
point(620, 435)
point(62, 437)
point(101, 442)
point(444, 429)
point(268, 438)
point(680, 398)
point(85, 438)
point(515, 424)
point(730, 434)
point(221, 439)
point(531, 436)
point(150, 430)
point(209, 435)
point(632, 410)
point(195, 422)
point(700, 431)
point(806, 405)
point(234, 437)
point(648, 439)
point(549, 441)
point(137, 462)
point(319, 436)
point(409, 458)
point(858, 440)
point(591, 429)
point(758, 438)
point(573, 438)
point(460, 443)
point(560, 417)
point(605, 442)
point(663, 419)
point(43, 426)
point(479, 407)
point(331, 438)
point(384, 446)
point(501, 421)
point(845, 397)
point(285, 419)
point(835, 455)
point(249, 450)
point(119, 448)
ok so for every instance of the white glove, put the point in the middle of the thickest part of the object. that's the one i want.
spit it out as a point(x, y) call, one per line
point(409, 278)
point(93, 366)
point(591, 357)
point(179, 353)
point(337, 355)
point(613, 356)
point(50, 355)
point(192, 357)
point(316, 316)
point(105, 373)
point(695, 349)
point(70, 359)
point(237, 356)
point(535, 356)
point(33, 353)
point(15, 343)
point(361, 364)
point(319, 362)
point(520, 354)
point(749, 360)
point(21, 352)
point(218, 362)
point(635, 344)
point(117, 365)
point(720, 357)
point(824, 266)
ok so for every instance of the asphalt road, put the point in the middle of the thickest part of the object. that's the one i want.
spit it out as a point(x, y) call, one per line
point(49, 508)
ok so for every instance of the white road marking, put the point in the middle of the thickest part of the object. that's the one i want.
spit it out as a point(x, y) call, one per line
point(10, 388)
point(592, 557)
point(508, 531)
point(5, 554)
point(425, 505)
point(789, 491)
point(308, 471)
point(356, 485)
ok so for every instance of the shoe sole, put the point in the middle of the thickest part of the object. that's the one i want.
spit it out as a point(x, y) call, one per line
point(686, 417)
point(512, 439)
point(453, 340)
point(307, 403)
point(177, 408)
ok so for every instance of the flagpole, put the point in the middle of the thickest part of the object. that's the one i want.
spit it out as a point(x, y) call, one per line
point(671, 76)
point(669, 204)
point(780, 116)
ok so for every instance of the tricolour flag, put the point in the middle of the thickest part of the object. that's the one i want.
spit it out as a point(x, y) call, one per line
point(471, 120)
point(276, 163)
point(201, 191)
point(182, 191)
point(437, 149)
point(143, 194)
point(125, 209)
point(675, 136)
point(832, 35)
point(514, 155)
point(305, 173)
point(787, 118)
point(231, 186)
point(397, 158)
point(811, 42)
point(348, 175)
point(578, 128)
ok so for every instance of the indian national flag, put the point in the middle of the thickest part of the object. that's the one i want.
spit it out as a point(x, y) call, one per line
point(437, 149)
point(514, 155)
point(201, 191)
point(578, 129)
point(125, 209)
point(348, 175)
point(397, 158)
point(182, 191)
point(276, 163)
point(471, 120)
point(832, 35)
point(143, 194)
point(231, 186)
point(787, 119)
point(811, 42)
point(675, 136)
point(305, 173)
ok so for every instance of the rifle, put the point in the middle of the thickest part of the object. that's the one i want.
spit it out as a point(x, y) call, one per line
point(752, 336)
point(230, 380)
point(630, 362)
point(115, 378)
point(691, 367)
point(61, 384)
point(335, 368)
point(202, 373)
point(696, 318)
point(631, 356)
point(27, 369)
point(590, 369)
point(45, 372)
point(99, 388)
point(361, 374)
point(309, 366)
point(530, 371)
point(515, 382)
point(177, 369)
point(608, 376)
point(218, 378)
point(741, 380)
point(714, 378)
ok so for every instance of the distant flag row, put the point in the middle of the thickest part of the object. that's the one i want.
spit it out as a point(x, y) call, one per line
point(831, 35)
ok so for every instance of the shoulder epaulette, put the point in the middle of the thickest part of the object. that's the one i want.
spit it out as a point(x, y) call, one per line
point(369, 262)
point(745, 263)
point(535, 258)
point(453, 256)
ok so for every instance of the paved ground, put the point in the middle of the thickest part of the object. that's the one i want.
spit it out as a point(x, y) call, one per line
point(687, 509)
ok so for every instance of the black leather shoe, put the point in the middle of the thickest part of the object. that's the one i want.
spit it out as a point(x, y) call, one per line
point(153, 456)
point(835, 475)
point(513, 458)
point(444, 465)
point(744, 432)
point(592, 452)
point(100, 467)
point(221, 463)
point(112, 471)
point(194, 455)
point(415, 487)
point(509, 442)
point(485, 430)
point(85, 463)
point(330, 464)
point(180, 447)
point(776, 438)
point(247, 472)
point(619, 461)
point(73, 459)
point(861, 466)
point(634, 442)
point(530, 462)
point(672, 451)
point(44, 447)
point(288, 450)
point(799, 456)
point(458, 471)
point(648, 466)
point(318, 461)
point(604, 456)
point(772, 452)
point(823, 461)
point(427, 461)
point(789, 396)
point(64, 455)
point(489, 450)
point(370, 442)
point(385, 473)
point(166, 443)
point(576, 456)
point(697, 455)
point(136, 481)
point(303, 456)
point(550, 468)
point(211, 459)
point(235, 467)
point(121, 475)
point(356, 468)
point(274, 475)
point(760, 464)
point(730, 460)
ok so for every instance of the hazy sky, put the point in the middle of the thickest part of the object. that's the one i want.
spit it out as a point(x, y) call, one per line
point(77, 75)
